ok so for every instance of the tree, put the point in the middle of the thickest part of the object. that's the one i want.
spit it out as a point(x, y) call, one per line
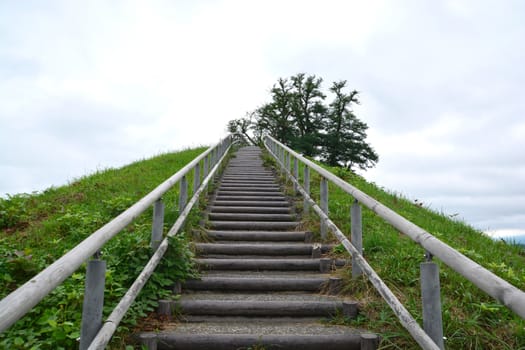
point(345, 143)
point(241, 126)
point(275, 117)
point(308, 112)
point(298, 117)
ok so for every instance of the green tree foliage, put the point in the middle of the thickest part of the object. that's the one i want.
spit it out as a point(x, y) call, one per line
point(298, 117)
point(241, 126)
point(309, 112)
point(344, 143)
point(275, 117)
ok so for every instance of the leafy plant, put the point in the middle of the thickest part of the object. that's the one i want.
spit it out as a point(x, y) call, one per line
point(14, 211)
point(37, 229)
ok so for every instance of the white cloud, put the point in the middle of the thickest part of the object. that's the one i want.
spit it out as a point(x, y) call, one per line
point(96, 84)
point(505, 233)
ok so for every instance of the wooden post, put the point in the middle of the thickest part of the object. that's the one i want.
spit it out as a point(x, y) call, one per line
point(205, 166)
point(282, 159)
point(335, 285)
point(356, 236)
point(431, 300)
point(306, 185)
point(295, 174)
point(196, 177)
point(324, 205)
point(93, 301)
point(148, 340)
point(369, 341)
point(183, 194)
point(158, 224)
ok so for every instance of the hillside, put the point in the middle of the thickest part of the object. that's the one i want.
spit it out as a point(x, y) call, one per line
point(37, 229)
point(471, 319)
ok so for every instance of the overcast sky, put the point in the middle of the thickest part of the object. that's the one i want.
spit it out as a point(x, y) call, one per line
point(86, 85)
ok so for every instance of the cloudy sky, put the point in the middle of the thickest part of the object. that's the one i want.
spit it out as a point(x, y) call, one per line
point(86, 85)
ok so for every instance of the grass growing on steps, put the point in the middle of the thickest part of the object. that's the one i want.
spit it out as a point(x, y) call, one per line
point(37, 229)
point(472, 320)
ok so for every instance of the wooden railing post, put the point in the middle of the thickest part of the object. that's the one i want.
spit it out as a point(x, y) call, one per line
point(295, 174)
point(281, 158)
point(196, 177)
point(205, 167)
point(158, 224)
point(183, 194)
point(356, 236)
point(324, 205)
point(306, 185)
point(431, 300)
point(93, 301)
point(214, 157)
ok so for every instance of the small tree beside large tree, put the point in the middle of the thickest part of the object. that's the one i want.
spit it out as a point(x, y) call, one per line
point(298, 117)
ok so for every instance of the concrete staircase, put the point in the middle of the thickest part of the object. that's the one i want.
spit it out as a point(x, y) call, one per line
point(264, 284)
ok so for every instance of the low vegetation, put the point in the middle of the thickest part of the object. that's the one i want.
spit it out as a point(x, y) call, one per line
point(38, 228)
point(472, 320)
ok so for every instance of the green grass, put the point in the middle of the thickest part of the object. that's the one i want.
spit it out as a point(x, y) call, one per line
point(38, 228)
point(472, 320)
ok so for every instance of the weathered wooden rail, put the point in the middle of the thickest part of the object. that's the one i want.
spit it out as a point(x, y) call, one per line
point(432, 337)
point(94, 333)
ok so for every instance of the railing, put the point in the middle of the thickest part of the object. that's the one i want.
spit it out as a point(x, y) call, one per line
point(94, 335)
point(432, 336)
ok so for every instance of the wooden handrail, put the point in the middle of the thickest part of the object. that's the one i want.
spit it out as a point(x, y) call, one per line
point(501, 290)
point(15, 305)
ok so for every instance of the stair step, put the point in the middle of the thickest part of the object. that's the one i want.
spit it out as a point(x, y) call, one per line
point(252, 203)
point(258, 308)
point(255, 248)
point(221, 193)
point(275, 236)
point(260, 264)
point(206, 341)
point(247, 180)
point(251, 217)
point(255, 173)
point(262, 210)
point(259, 296)
point(266, 283)
point(251, 198)
point(258, 175)
point(252, 225)
point(240, 188)
point(248, 256)
point(250, 184)
point(245, 319)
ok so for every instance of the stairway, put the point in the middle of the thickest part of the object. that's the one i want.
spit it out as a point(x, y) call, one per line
point(261, 279)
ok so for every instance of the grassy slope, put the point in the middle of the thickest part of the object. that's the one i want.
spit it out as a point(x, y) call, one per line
point(37, 229)
point(472, 320)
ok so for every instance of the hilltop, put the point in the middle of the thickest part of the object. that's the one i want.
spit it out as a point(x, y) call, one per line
point(38, 228)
